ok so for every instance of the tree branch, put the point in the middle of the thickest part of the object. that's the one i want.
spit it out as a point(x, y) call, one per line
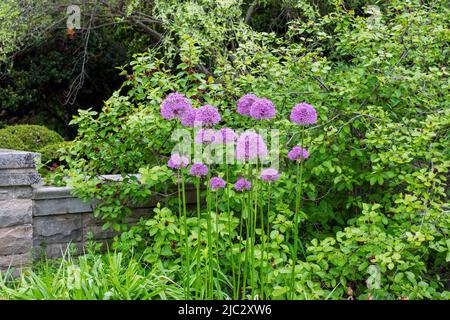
point(251, 11)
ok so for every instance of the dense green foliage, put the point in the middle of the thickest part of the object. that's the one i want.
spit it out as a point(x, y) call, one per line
point(90, 277)
point(33, 137)
point(375, 216)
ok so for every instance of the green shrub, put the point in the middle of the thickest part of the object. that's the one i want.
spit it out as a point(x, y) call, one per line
point(53, 152)
point(33, 137)
point(10, 141)
point(375, 220)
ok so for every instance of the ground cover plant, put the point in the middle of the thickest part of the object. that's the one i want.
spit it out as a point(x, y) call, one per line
point(319, 152)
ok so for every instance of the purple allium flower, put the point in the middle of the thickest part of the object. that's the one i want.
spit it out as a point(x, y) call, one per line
point(298, 153)
point(262, 109)
point(174, 106)
point(205, 136)
point(198, 169)
point(250, 145)
point(303, 114)
point(208, 115)
point(189, 118)
point(177, 162)
point(225, 136)
point(269, 175)
point(245, 102)
point(242, 185)
point(217, 183)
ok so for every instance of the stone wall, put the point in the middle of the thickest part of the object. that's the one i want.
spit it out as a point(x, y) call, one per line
point(37, 220)
point(17, 175)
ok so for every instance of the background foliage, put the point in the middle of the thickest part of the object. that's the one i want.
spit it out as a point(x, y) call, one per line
point(375, 221)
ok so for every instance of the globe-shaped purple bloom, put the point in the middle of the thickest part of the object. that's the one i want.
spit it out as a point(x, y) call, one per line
point(245, 102)
point(208, 115)
point(198, 169)
point(190, 118)
point(303, 114)
point(242, 185)
point(298, 153)
point(205, 136)
point(250, 145)
point(217, 183)
point(174, 106)
point(177, 162)
point(225, 136)
point(269, 175)
point(262, 109)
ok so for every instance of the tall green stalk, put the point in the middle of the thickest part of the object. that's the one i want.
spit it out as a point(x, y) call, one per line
point(241, 223)
point(253, 234)
point(230, 238)
point(296, 222)
point(209, 234)
point(186, 238)
point(197, 266)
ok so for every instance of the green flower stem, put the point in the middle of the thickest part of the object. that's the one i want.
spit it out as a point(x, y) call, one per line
point(217, 242)
point(197, 266)
point(296, 222)
point(254, 218)
point(230, 234)
point(209, 234)
point(240, 244)
point(187, 253)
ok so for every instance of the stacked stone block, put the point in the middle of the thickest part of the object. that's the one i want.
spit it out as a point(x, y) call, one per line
point(17, 175)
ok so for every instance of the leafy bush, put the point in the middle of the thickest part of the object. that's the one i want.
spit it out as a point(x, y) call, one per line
point(53, 152)
point(374, 219)
point(33, 137)
point(10, 141)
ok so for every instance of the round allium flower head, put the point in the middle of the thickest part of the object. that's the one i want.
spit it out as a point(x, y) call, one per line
point(225, 136)
point(298, 153)
point(262, 109)
point(269, 175)
point(250, 145)
point(190, 118)
point(303, 114)
point(177, 162)
point(208, 115)
point(198, 169)
point(217, 183)
point(245, 102)
point(205, 136)
point(242, 185)
point(174, 106)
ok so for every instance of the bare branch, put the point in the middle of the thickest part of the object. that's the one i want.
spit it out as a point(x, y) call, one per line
point(251, 11)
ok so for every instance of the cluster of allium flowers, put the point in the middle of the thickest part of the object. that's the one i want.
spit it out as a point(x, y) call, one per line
point(250, 145)
point(198, 169)
point(205, 136)
point(262, 109)
point(298, 153)
point(208, 115)
point(177, 162)
point(269, 175)
point(217, 183)
point(225, 136)
point(303, 114)
point(174, 106)
point(245, 102)
point(242, 185)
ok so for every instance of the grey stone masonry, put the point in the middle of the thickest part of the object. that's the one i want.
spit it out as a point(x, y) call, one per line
point(17, 175)
point(37, 220)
